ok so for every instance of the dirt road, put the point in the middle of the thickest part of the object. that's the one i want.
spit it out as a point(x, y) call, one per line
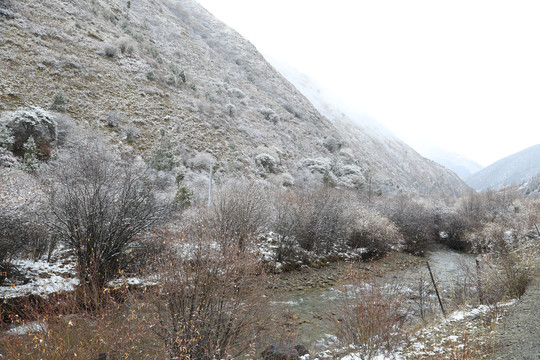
point(519, 335)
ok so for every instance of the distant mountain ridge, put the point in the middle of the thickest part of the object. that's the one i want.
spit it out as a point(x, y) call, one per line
point(516, 168)
point(461, 165)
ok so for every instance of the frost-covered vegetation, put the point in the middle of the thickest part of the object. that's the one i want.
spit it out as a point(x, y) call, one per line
point(93, 216)
point(110, 241)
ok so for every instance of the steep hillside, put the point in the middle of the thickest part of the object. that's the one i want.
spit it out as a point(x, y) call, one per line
point(515, 168)
point(141, 72)
point(370, 139)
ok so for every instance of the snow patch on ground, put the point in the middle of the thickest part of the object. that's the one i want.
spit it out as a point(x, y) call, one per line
point(44, 278)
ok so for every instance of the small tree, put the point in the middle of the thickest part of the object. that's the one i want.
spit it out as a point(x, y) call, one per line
point(30, 161)
point(184, 196)
point(238, 213)
point(100, 207)
point(58, 102)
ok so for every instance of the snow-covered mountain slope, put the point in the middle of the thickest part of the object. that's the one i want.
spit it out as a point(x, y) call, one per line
point(169, 69)
point(516, 168)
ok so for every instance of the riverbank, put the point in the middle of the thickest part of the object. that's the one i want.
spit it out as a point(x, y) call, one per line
point(336, 273)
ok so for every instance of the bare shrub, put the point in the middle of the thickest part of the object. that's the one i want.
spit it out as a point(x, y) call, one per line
point(210, 304)
point(201, 161)
point(110, 51)
point(22, 229)
point(126, 46)
point(131, 133)
point(414, 220)
point(113, 119)
point(452, 227)
point(65, 126)
point(99, 207)
point(506, 275)
point(373, 232)
point(371, 318)
point(315, 218)
point(238, 213)
point(284, 222)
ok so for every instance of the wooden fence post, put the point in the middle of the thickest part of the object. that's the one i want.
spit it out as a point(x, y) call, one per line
point(436, 290)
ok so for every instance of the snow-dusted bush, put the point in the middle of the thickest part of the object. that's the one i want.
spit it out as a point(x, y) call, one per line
point(267, 162)
point(319, 165)
point(6, 146)
point(315, 218)
point(64, 127)
point(22, 231)
point(506, 274)
point(126, 46)
point(238, 212)
point(237, 93)
point(231, 109)
point(372, 231)
point(332, 144)
point(371, 318)
point(131, 132)
point(110, 50)
point(33, 122)
point(113, 119)
point(270, 115)
point(202, 161)
point(414, 219)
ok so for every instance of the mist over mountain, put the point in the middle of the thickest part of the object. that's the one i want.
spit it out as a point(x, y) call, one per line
point(514, 169)
point(461, 165)
point(368, 136)
point(168, 71)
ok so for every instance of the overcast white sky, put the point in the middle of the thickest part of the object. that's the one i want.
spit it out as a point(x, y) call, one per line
point(462, 74)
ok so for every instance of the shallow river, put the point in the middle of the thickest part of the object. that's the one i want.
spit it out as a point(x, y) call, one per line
point(307, 311)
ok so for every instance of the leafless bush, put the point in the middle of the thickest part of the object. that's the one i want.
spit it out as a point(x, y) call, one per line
point(238, 213)
point(114, 119)
point(110, 51)
point(131, 132)
point(414, 220)
point(210, 304)
point(315, 218)
point(505, 275)
point(126, 46)
point(65, 126)
point(22, 229)
point(452, 228)
point(371, 318)
point(99, 207)
point(372, 231)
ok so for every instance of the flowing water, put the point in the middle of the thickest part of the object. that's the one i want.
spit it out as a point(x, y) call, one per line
point(310, 311)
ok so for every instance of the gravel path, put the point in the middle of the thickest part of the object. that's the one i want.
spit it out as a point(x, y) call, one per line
point(519, 334)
